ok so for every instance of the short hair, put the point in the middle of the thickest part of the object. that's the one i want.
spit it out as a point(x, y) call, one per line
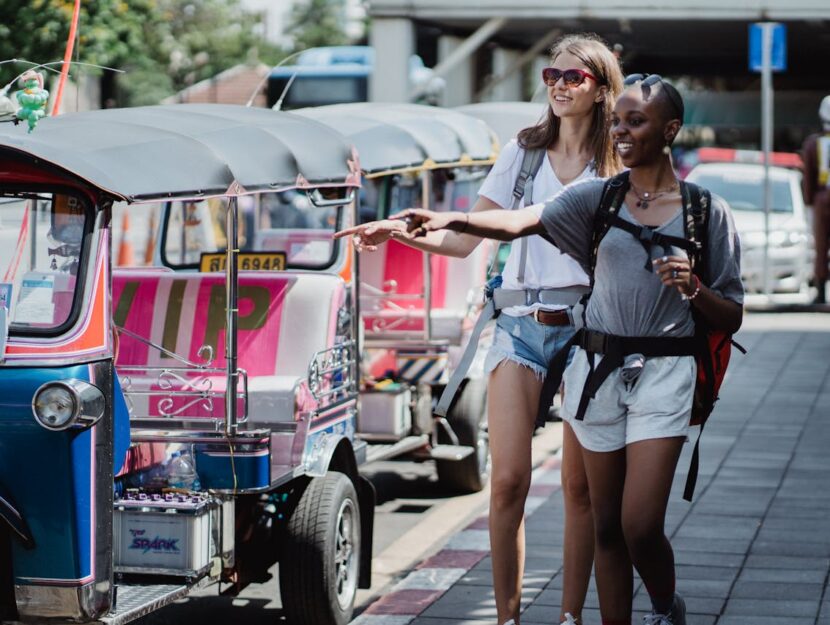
point(667, 97)
point(671, 101)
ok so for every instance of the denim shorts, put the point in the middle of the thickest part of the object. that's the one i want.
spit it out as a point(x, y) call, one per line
point(525, 341)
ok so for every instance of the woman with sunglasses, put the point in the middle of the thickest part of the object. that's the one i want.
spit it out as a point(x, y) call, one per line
point(582, 81)
point(636, 422)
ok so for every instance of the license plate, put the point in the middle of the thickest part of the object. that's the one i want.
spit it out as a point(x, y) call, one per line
point(246, 261)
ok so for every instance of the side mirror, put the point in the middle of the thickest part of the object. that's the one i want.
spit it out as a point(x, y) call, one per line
point(320, 201)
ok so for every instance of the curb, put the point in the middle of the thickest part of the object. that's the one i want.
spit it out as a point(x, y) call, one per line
point(437, 574)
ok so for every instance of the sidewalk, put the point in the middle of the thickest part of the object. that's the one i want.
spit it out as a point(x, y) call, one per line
point(752, 549)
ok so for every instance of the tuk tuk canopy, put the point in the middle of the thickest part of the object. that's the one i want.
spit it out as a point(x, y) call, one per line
point(506, 118)
point(404, 137)
point(186, 150)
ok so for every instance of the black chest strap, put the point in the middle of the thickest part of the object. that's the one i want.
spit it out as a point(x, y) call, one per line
point(649, 238)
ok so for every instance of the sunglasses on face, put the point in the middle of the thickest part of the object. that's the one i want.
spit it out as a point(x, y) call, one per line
point(571, 77)
point(646, 82)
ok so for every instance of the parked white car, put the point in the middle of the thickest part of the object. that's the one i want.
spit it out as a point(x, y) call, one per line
point(790, 242)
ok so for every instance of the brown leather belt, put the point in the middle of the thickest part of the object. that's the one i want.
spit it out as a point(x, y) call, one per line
point(552, 317)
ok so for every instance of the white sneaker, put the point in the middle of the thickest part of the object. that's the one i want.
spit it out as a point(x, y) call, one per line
point(569, 619)
point(677, 616)
point(510, 622)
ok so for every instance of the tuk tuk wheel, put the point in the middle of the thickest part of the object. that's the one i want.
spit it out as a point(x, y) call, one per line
point(320, 563)
point(468, 419)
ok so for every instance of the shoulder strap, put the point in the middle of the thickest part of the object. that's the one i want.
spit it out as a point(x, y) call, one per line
point(531, 162)
point(613, 194)
point(696, 207)
point(523, 188)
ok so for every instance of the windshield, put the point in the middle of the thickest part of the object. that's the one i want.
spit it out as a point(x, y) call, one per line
point(285, 222)
point(41, 240)
point(745, 191)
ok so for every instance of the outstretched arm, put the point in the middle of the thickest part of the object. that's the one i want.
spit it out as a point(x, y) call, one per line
point(502, 225)
point(369, 235)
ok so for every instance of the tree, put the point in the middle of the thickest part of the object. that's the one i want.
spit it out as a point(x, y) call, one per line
point(163, 45)
point(315, 23)
point(110, 32)
point(195, 40)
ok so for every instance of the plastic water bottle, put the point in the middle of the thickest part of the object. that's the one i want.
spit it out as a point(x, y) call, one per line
point(181, 471)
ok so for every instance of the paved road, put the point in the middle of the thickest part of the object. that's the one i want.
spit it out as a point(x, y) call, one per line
point(414, 516)
point(752, 549)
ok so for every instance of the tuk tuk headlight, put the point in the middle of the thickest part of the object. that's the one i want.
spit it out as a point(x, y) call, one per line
point(62, 404)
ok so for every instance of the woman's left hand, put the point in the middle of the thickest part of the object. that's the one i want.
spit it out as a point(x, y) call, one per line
point(677, 272)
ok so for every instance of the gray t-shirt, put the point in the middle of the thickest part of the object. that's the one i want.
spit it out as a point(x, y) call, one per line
point(629, 300)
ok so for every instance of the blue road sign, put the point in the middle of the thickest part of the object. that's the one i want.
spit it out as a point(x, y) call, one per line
point(778, 58)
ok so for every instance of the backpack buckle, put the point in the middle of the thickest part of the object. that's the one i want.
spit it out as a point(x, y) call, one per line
point(646, 235)
point(531, 296)
point(595, 342)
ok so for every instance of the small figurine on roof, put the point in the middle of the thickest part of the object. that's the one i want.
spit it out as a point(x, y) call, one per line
point(32, 98)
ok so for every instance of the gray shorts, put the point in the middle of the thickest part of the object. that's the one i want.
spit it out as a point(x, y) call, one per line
point(658, 406)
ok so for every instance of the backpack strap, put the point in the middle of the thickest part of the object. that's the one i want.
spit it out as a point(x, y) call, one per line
point(649, 237)
point(697, 202)
point(696, 209)
point(531, 162)
point(613, 195)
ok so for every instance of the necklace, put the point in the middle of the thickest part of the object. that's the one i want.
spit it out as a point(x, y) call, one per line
point(649, 196)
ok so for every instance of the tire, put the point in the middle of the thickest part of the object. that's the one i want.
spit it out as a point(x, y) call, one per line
point(320, 563)
point(468, 419)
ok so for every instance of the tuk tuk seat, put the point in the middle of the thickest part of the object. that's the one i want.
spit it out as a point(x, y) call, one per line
point(392, 287)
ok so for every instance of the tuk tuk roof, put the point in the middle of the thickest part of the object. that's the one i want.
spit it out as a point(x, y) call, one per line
point(186, 150)
point(506, 118)
point(402, 137)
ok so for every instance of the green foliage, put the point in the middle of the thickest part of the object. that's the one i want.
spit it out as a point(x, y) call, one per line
point(194, 40)
point(316, 23)
point(163, 45)
point(110, 32)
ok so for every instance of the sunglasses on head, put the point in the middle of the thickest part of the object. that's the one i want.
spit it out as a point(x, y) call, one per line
point(647, 81)
point(571, 77)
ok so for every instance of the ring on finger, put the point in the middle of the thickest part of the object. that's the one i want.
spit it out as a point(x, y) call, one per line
point(674, 273)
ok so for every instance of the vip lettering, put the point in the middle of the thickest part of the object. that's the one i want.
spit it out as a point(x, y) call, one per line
point(156, 545)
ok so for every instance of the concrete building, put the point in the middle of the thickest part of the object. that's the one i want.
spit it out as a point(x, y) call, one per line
point(493, 49)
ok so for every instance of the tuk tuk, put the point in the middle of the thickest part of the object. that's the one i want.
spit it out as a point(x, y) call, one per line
point(417, 309)
point(506, 118)
point(167, 428)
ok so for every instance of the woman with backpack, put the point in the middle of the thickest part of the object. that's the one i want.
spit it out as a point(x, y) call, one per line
point(571, 143)
point(632, 381)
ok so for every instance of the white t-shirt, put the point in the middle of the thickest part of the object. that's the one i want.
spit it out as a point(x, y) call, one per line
point(546, 266)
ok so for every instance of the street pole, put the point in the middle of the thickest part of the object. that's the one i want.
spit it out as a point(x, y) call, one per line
point(766, 139)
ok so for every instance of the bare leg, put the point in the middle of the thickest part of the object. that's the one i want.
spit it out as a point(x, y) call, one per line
point(650, 467)
point(513, 397)
point(606, 479)
point(578, 549)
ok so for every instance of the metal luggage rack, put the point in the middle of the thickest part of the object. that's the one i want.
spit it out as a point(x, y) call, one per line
point(331, 374)
point(191, 381)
